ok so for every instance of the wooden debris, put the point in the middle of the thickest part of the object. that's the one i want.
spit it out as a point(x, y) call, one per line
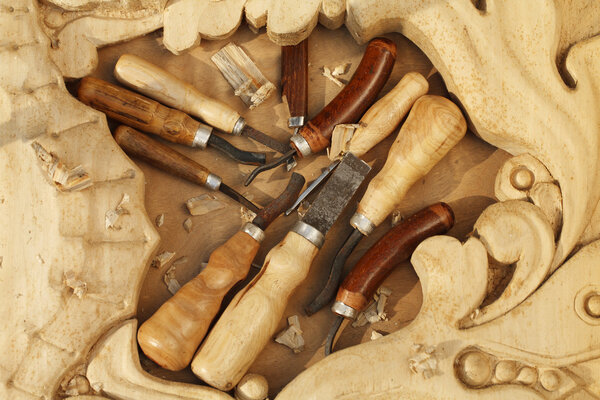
point(375, 335)
point(169, 278)
point(375, 312)
point(78, 385)
point(113, 215)
point(160, 220)
point(397, 217)
point(203, 204)
point(79, 287)
point(64, 178)
point(341, 69)
point(340, 140)
point(243, 75)
point(292, 336)
point(162, 259)
point(326, 72)
point(424, 363)
point(187, 225)
point(246, 215)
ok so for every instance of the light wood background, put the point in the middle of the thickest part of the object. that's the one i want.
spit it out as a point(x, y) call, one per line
point(464, 179)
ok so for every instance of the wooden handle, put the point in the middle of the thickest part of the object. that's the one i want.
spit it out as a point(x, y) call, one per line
point(294, 78)
point(165, 87)
point(385, 115)
point(171, 336)
point(138, 111)
point(253, 315)
point(433, 127)
point(161, 156)
point(395, 247)
point(349, 105)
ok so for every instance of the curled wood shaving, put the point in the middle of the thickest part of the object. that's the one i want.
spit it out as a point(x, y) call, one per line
point(341, 69)
point(203, 204)
point(424, 362)
point(187, 225)
point(375, 312)
point(292, 336)
point(79, 287)
point(327, 74)
point(160, 220)
point(162, 259)
point(64, 178)
point(169, 278)
point(112, 216)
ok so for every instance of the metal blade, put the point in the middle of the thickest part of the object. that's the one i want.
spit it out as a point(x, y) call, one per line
point(312, 186)
point(266, 140)
point(223, 188)
point(241, 156)
point(336, 193)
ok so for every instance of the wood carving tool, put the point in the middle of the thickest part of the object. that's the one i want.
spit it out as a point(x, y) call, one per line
point(377, 263)
point(373, 71)
point(150, 116)
point(165, 87)
point(171, 336)
point(251, 318)
point(433, 126)
point(162, 156)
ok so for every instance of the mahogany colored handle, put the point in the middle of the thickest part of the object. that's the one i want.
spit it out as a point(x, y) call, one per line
point(171, 336)
point(348, 106)
point(294, 78)
point(267, 214)
point(395, 247)
point(161, 156)
point(138, 111)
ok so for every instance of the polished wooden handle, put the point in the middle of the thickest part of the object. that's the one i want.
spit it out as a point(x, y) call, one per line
point(138, 111)
point(393, 248)
point(171, 336)
point(253, 315)
point(161, 156)
point(294, 78)
point(165, 87)
point(433, 127)
point(349, 105)
point(384, 116)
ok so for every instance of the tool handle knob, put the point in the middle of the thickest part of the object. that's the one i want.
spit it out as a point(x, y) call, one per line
point(138, 111)
point(433, 127)
point(161, 156)
point(385, 115)
point(349, 105)
point(394, 247)
point(172, 334)
point(253, 315)
point(165, 87)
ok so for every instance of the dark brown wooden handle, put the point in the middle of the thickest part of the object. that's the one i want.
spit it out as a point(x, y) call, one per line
point(294, 78)
point(395, 247)
point(267, 214)
point(161, 156)
point(362, 90)
point(138, 111)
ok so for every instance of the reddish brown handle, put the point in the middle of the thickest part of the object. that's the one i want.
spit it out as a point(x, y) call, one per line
point(294, 78)
point(138, 111)
point(350, 104)
point(395, 247)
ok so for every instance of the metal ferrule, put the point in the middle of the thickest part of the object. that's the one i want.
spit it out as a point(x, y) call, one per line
point(310, 233)
point(254, 231)
point(362, 223)
point(295, 122)
point(213, 182)
point(201, 137)
point(301, 145)
point(239, 126)
point(344, 310)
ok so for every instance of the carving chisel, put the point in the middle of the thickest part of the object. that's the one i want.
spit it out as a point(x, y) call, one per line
point(371, 74)
point(148, 115)
point(172, 334)
point(252, 317)
point(377, 263)
point(433, 126)
point(162, 156)
point(165, 87)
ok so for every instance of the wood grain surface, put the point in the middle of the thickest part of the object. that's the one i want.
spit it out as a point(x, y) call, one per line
point(294, 78)
point(464, 179)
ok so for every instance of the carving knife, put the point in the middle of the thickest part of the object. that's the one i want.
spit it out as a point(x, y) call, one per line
point(252, 317)
point(172, 334)
point(433, 126)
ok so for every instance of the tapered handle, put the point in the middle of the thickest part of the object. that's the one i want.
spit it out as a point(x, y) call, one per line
point(253, 315)
point(161, 156)
point(138, 111)
point(171, 336)
point(384, 116)
point(165, 87)
point(349, 105)
point(433, 127)
point(294, 78)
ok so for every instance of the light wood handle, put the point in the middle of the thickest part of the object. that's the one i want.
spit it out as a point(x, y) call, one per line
point(385, 115)
point(253, 315)
point(165, 87)
point(433, 127)
point(171, 336)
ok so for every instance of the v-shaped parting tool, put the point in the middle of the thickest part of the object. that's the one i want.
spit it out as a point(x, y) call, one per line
point(252, 317)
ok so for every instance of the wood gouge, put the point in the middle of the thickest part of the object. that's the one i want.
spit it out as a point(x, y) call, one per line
point(347, 107)
point(396, 246)
point(162, 156)
point(433, 126)
point(150, 116)
point(161, 85)
point(172, 334)
point(251, 318)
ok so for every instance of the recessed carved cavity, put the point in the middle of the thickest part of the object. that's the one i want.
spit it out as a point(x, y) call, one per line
point(474, 368)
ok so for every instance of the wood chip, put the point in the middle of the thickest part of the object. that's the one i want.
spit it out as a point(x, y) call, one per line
point(375, 312)
point(162, 259)
point(246, 215)
point(112, 216)
point(79, 287)
point(169, 278)
point(203, 204)
point(375, 335)
point(160, 220)
point(64, 178)
point(187, 225)
point(341, 69)
point(424, 362)
point(326, 72)
point(340, 140)
point(292, 336)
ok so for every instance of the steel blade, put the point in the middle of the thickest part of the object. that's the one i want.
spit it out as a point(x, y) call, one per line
point(268, 141)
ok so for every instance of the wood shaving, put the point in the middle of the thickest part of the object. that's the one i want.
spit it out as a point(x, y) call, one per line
point(187, 225)
point(203, 204)
point(424, 363)
point(292, 336)
point(375, 312)
point(397, 217)
point(78, 385)
point(326, 72)
point(112, 216)
point(246, 215)
point(341, 69)
point(160, 220)
point(162, 259)
point(340, 140)
point(375, 335)
point(64, 178)
point(79, 287)
point(169, 278)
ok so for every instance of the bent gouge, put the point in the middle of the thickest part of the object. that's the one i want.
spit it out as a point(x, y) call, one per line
point(251, 318)
point(172, 334)
point(161, 156)
point(433, 126)
point(351, 102)
point(396, 246)
point(165, 87)
point(150, 116)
